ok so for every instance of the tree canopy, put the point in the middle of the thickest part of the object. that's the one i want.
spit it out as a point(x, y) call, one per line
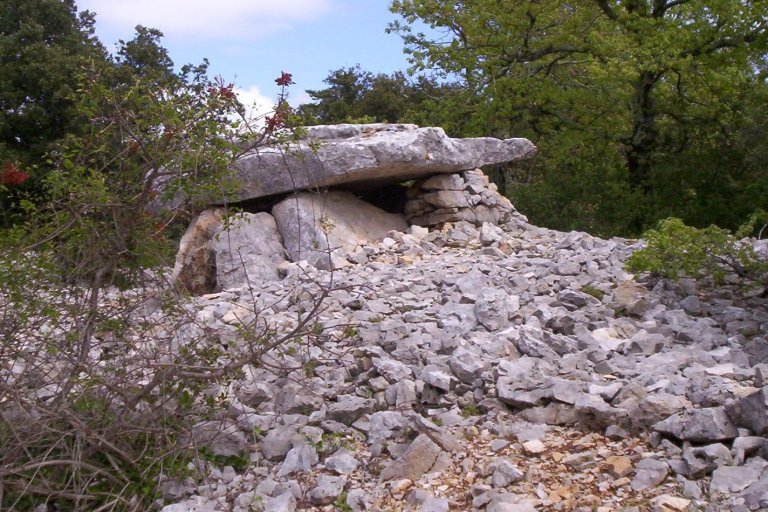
point(43, 46)
point(356, 95)
point(632, 102)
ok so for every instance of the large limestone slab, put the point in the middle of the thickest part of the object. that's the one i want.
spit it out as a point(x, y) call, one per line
point(368, 155)
point(321, 228)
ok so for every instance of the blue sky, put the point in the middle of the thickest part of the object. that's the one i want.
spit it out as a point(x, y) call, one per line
point(249, 42)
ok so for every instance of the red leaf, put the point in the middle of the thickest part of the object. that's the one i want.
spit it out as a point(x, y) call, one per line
point(285, 79)
point(12, 175)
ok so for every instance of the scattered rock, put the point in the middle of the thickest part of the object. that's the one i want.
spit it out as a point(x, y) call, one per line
point(223, 438)
point(417, 460)
point(733, 479)
point(666, 503)
point(349, 408)
point(619, 466)
point(342, 462)
point(327, 489)
point(649, 474)
point(752, 412)
point(433, 345)
point(699, 425)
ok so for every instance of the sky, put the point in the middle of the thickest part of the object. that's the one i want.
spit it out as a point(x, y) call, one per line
point(250, 42)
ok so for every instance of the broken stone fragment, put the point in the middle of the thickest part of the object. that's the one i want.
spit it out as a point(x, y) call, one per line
point(733, 479)
point(342, 462)
point(505, 473)
point(492, 309)
point(619, 466)
point(300, 459)
point(327, 489)
point(348, 408)
point(649, 474)
point(632, 297)
point(223, 438)
point(446, 199)
point(699, 425)
point(752, 412)
point(668, 503)
point(417, 460)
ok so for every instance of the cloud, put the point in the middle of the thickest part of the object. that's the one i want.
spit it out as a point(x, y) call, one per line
point(256, 104)
point(233, 20)
point(297, 98)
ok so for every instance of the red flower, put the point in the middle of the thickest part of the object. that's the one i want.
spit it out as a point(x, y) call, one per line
point(11, 175)
point(285, 79)
point(227, 92)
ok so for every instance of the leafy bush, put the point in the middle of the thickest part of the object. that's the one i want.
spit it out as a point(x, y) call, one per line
point(103, 369)
point(675, 250)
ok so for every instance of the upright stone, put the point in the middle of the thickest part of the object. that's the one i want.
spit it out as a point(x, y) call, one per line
point(195, 267)
point(247, 249)
point(321, 228)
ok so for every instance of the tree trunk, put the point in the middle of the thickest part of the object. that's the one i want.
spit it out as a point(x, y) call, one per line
point(643, 140)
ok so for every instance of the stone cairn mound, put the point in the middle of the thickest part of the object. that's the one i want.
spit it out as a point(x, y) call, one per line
point(465, 196)
point(500, 368)
point(484, 364)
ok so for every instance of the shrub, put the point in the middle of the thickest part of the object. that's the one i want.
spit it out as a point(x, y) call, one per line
point(103, 369)
point(675, 250)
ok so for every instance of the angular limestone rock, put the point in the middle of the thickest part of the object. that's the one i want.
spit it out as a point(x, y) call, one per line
point(370, 153)
point(752, 412)
point(417, 459)
point(699, 425)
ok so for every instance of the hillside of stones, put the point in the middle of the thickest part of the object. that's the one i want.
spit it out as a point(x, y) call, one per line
point(448, 363)
point(467, 360)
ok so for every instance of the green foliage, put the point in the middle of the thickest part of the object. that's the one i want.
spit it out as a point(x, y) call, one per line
point(329, 443)
point(470, 410)
point(341, 503)
point(310, 368)
point(675, 250)
point(43, 46)
point(357, 96)
point(150, 137)
point(238, 462)
point(96, 397)
point(43, 43)
point(640, 109)
point(594, 292)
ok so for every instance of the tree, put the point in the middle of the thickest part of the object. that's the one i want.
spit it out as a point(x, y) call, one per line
point(44, 45)
point(675, 250)
point(72, 307)
point(605, 87)
point(356, 95)
point(339, 101)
